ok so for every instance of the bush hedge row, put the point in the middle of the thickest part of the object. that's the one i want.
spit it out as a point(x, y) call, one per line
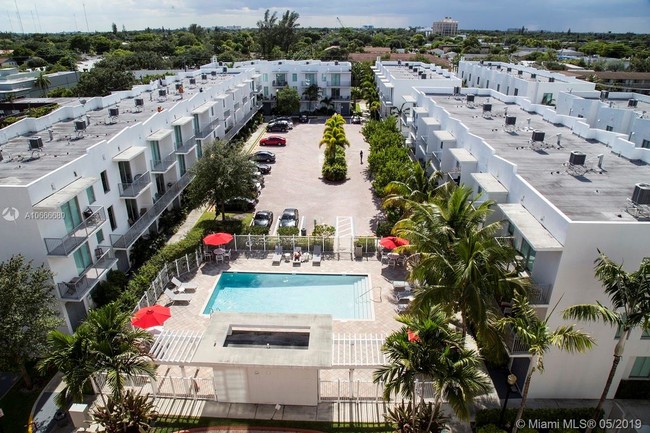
point(488, 417)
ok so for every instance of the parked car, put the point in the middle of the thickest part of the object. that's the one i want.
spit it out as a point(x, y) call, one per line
point(290, 218)
point(263, 156)
point(286, 120)
point(355, 119)
point(263, 168)
point(304, 118)
point(263, 218)
point(240, 204)
point(273, 140)
point(277, 127)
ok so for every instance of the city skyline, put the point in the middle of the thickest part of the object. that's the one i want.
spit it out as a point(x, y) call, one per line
point(553, 15)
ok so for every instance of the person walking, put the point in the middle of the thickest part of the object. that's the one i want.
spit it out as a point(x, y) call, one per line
point(361, 156)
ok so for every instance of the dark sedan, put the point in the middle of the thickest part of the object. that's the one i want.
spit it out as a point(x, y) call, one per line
point(290, 218)
point(263, 218)
point(263, 168)
point(263, 156)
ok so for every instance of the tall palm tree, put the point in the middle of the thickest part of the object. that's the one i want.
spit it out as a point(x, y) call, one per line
point(536, 334)
point(312, 93)
point(629, 294)
point(43, 82)
point(429, 348)
point(418, 187)
point(333, 139)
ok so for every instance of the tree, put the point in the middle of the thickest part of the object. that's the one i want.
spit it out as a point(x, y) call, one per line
point(267, 33)
point(418, 187)
point(287, 30)
point(629, 294)
point(536, 334)
point(43, 82)
point(312, 93)
point(27, 314)
point(429, 348)
point(224, 172)
point(288, 101)
point(102, 80)
point(131, 413)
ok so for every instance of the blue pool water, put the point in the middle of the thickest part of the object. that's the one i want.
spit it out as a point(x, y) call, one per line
point(342, 296)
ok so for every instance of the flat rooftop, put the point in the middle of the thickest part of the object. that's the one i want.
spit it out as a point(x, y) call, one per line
point(593, 196)
point(22, 166)
point(411, 72)
point(639, 106)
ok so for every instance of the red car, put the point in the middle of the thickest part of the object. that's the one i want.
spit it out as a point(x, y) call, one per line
point(273, 141)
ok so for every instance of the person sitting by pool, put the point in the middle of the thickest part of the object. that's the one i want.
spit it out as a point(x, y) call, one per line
point(296, 256)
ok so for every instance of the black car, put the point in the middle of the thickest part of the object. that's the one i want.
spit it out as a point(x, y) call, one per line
point(263, 156)
point(290, 218)
point(286, 120)
point(303, 118)
point(240, 204)
point(263, 218)
point(355, 119)
point(277, 127)
point(263, 168)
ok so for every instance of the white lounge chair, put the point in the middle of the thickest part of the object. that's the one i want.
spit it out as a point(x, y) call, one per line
point(277, 254)
point(178, 297)
point(316, 256)
point(183, 287)
point(293, 256)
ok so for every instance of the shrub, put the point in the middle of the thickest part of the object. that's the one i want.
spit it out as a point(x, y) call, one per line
point(323, 230)
point(288, 231)
point(384, 228)
point(401, 417)
point(334, 172)
point(492, 416)
point(109, 290)
point(257, 230)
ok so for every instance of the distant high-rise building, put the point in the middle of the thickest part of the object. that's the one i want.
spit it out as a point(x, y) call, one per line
point(445, 27)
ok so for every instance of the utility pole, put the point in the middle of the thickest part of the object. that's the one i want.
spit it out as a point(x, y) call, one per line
point(20, 21)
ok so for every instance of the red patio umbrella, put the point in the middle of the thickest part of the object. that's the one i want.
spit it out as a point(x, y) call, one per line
point(147, 317)
point(217, 239)
point(392, 242)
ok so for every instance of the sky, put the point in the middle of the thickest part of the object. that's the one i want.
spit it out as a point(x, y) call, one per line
point(617, 16)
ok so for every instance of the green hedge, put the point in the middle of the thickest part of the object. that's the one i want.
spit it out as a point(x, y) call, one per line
point(492, 416)
point(334, 172)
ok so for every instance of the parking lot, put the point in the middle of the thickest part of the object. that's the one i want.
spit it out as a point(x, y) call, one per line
point(295, 181)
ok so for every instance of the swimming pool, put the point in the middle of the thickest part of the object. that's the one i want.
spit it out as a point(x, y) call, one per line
point(342, 296)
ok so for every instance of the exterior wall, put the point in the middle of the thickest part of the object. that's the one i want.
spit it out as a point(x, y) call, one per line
point(23, 84)
point(260, 385)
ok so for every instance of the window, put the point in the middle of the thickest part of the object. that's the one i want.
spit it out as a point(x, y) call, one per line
point(487, 84)
point(265, 77)
point(111, 217)
point(294, 77)
point(324, 77)
point(498, 87)
point(516, 91)
point(82, 258)
point(105, 184)
point(478, 80)
point(609, 128)
point(100, 236)
point(181, 164)
point(90, 192)
point(336, 79)
point(645, 144)
point(641, 368)
point(199, 149)
point(71, 214)
point(528, 253)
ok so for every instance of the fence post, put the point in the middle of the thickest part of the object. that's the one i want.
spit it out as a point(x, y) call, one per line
point(338, 390)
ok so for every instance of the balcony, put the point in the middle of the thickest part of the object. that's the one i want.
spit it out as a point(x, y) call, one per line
point(514, 345)
point(161, 166)
point(186, 147)
point(539, 294)
point(142, 224)
point(79, 287)
point(94, 217)
point(280, 83)
point(207, 129)
point(135, 188)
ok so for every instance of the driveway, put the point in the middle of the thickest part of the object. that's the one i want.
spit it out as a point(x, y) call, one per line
point(295, 181)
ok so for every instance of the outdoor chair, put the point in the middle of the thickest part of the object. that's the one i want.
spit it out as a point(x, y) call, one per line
point(226, 255)
point(277, 254)
point(316, 256)
point(178, 297)
point(183, 287)
point(297, 261)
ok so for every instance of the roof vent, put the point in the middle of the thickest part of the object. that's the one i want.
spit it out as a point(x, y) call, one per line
point(632, 103)
point(35, 143)
point(577, 158)
point(604, 94)
point(641, 194)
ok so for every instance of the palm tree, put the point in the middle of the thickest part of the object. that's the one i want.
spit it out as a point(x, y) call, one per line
point(418, 187)
point(536, 334)
point(312, 93)
point(328, 101)
point(629, 294)
point(429, 348)
point(43, 83)
point(332, 139)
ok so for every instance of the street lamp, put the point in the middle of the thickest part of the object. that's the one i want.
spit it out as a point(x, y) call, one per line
point(510, 380)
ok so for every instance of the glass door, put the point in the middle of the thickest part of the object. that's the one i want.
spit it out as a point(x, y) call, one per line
point(125, 172)
point(155, 152)
point(178, 137)
point(181, 164)
point(132, 210)
point(82, 258)
point(160, 184)
point(71, 214)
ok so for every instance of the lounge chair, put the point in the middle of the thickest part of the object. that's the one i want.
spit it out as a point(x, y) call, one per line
point(297, 261)
point(277, 255)
point(316, 256)
point(178, 297)
point(183, 287)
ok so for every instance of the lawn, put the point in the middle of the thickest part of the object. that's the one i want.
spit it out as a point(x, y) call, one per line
point(171, 425)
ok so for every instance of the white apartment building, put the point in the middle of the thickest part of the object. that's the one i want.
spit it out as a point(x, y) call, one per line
point(81, 185)
point(538, 86)
point(395, 81)
point(445, 27)
point(16, 84)
point(334, 79)
point(566, 190)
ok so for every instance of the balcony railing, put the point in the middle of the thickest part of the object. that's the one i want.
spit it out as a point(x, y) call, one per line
point(186, 146)
point(94, 217)
point(142, 224)
point(514, 345)
point(77, 288)
point(162, 165)
point(207, 129)
point(279, 83)
point(539, 294)
point(133, 189)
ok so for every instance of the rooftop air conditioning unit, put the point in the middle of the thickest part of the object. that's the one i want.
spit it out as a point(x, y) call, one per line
point(456, 90)
point(499, 67)
point(533, 75)
point(577, 158)
point(470, 98)
point(551, 79)
point(213, 73)
point(520, 72)
point(481, 62)
point(224, 70)
point(79, 125)
point(641, 194)
point(632, 103)
point(139, 102)
point(178, 86)
point(604, 94)
point(406, 64)
point(508, 69)
point(487, 108)
point(538, 136)
point(204, 76)
point(192, 80)
point(220, 63)
point(336, 62)
point(511, 120)
point(114, 112)
point(399, 62)
point(162, 92)
point(35, 143)
point(423, 76)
